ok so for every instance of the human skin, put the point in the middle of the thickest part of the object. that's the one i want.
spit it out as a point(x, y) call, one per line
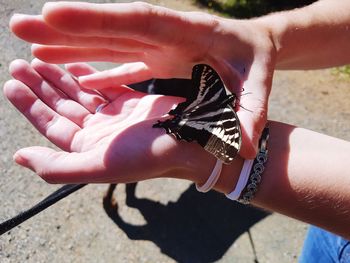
point(152, 43)
point(306, 176)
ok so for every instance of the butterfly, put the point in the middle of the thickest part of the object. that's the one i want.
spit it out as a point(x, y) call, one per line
point(207, 116)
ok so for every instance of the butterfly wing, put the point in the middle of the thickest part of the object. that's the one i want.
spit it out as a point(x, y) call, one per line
point(207, 88)
point(226, 137)
point(221, 136)
point(207, 116)
point(192, 94)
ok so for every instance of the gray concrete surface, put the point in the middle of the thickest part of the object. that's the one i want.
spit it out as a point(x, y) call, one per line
point(170, 221)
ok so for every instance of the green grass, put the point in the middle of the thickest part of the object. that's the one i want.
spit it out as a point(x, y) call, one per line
point(343, 71)
point(251, 8)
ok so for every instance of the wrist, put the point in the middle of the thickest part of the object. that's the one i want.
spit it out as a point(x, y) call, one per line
point(200, 164)
point(195, 164)
point(273, 25)
point(229, 176)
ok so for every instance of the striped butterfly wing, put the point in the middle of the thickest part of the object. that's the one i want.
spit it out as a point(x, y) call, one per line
point(225, 140)
point(207, 116)
point(207, 90)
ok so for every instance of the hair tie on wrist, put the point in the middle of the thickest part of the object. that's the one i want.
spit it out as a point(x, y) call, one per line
point(242, 181)
point(250, 176)
point(213, 178)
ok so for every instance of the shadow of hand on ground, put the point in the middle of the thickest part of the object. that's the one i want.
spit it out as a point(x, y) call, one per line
point(197, 228)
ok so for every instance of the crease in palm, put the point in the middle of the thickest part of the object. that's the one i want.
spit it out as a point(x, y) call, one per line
point(118, 134)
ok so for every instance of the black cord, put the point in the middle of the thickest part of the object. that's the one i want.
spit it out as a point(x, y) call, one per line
point(253, 247)
point(45, 203)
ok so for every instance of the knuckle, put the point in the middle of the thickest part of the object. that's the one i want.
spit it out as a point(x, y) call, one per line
point(140, 4)
point(213, 21)
point(208, 21)
point(143, 7)
point(145, 13)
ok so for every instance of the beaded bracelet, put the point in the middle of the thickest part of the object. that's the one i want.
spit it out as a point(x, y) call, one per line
point(257, 170)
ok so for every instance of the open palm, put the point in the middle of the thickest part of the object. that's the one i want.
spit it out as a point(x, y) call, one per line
point(156, 42)
point(115, 144)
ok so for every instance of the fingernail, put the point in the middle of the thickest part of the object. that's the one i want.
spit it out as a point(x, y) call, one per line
point(84, 82)
point(34, 46)
point(82, 78)
point(16, 15)
point(49, 5)
point(18, 158)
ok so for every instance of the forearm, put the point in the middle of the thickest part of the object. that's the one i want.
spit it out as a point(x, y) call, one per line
point(316, 36)
point(306, 177)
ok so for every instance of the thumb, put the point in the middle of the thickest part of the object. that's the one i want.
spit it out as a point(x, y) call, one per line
point(252, 125)
point(61, 167)
point(253, 109)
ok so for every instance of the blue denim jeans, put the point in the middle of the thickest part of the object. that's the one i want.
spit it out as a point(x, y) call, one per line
point(323, 247)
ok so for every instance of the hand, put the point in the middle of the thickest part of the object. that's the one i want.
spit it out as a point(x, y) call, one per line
point(117, 144)
point(156, 42)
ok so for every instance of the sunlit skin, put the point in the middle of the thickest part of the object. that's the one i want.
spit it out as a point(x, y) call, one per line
point(152, 46)
point(306, 176)
point(112, 145)
point(118, 144)
point(152, 43)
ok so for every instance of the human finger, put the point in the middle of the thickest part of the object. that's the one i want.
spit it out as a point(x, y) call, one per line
point(58, 129)
point(142, 21)
point(111, 92)
point(62, 167)
point(46, 93)
point(125, 74)
point(78, 69)
point(64, 81)
point(61, 54)
point(253, 109)
point(34, 29)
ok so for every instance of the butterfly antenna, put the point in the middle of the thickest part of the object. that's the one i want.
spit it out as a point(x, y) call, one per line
point(243, 94)
point(238, 99)
point(245, 108)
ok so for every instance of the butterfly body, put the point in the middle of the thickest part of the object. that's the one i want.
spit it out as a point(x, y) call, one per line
point(207, 116)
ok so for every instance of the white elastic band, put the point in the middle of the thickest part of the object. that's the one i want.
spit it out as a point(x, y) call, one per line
point(213, 178)
point(242, 181)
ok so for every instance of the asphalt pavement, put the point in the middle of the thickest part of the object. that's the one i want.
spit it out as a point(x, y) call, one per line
point(162, 220)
